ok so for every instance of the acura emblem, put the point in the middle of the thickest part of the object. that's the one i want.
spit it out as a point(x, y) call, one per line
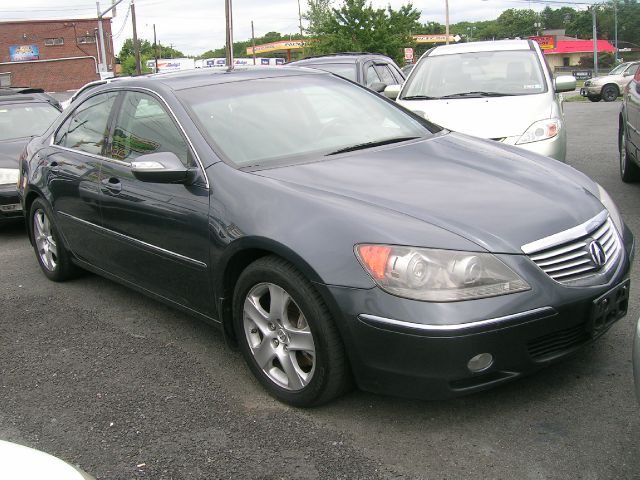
point(598, 256)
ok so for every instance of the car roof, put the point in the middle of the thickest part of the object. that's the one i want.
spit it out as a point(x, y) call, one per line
point(25, 95)
point(344, 57)
point(200, 77)
point(489, 46)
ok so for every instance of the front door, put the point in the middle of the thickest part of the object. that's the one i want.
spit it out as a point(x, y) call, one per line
point(157, 233)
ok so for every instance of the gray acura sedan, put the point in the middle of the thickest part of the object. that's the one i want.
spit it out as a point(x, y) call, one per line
point(333, 235)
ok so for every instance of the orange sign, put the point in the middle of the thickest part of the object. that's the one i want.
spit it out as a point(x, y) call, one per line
point(546, 42)
point(279, 46)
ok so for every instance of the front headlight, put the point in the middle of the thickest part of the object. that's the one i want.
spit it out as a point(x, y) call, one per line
point(608, 203)
point(541, 130)
point(438, 275)
point(9, 176)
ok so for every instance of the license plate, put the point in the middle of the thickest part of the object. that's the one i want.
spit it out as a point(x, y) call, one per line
point(608, 308)
point(583, 92)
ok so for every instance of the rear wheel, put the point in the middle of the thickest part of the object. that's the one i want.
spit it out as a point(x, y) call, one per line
point(609, 93)
point(54, 259)
point(594, 98)
point(629, 170)
point(287, 336)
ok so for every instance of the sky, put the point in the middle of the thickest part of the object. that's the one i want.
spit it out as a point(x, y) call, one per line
point(195, 26)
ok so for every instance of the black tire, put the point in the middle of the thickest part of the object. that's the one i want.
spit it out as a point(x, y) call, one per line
point(63, 269)
point(629, 170)
point(594, 98)
point(330, 375)
point(609, 93)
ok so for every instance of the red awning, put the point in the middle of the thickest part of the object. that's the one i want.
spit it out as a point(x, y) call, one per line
point(580, 46)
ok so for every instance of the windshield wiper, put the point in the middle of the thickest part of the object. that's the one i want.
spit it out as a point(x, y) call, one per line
point(419, 97)
point(362, 146)
point(478, 94)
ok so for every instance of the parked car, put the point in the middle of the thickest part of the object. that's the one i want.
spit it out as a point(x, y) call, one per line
point(611, 86)
point(24, 113)
point(359, 241)
point(372, 70)
point(636, 360)
point(628, 131)
point(18, 462)
point(499, 90)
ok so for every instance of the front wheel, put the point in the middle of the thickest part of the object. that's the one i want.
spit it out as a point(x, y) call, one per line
point(55, 261)
point(609, 93)
point(287, 336)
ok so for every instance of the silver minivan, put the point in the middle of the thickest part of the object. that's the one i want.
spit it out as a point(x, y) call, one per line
point(501, 90)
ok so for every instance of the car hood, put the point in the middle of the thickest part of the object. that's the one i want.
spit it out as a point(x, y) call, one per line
point(491, 117)
point(498, 197)
point(10, 151)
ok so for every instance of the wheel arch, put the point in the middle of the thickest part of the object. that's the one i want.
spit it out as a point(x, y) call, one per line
point(238, 256)
point(614, 85)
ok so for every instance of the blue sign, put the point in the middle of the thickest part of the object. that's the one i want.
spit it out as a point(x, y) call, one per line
point(23, 53)
point(279, 61)
point(264, 61)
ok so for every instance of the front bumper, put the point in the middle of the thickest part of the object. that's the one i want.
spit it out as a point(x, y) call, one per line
point(10, 207)
point(421, 349)
point(591, 91)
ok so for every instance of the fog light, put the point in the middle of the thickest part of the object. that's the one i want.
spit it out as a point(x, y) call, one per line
point(13, 207)
point(480, 362)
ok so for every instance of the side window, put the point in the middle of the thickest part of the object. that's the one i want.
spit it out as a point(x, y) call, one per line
point(86, 128)
point(386, 75)
point(632, 69)
point(144, 126)
point(372, 76)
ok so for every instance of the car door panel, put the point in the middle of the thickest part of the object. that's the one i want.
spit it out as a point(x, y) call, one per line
point(157, 233)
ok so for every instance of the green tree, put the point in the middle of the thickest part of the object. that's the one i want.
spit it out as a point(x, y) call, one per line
point(147, 52)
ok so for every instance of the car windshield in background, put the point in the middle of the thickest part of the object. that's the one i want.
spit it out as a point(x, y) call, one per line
point(18, 120)
point(293, 119)
point(619, 69)
point(464, 75)
point(344, 70)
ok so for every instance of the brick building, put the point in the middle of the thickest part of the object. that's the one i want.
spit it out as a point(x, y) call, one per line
point(56, 55)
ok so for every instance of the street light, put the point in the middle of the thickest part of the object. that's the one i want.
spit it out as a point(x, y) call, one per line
point(470, 30)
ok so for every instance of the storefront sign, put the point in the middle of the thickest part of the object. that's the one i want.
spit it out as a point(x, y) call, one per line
point(546, 42)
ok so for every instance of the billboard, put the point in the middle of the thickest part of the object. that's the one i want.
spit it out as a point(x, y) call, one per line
point(23, 53)
point(546, 42)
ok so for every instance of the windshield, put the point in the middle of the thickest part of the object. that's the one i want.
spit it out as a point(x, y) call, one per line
point(344, 70)
point(496, 73)
point(619, 69)
point(18, 120)
point(295, 119)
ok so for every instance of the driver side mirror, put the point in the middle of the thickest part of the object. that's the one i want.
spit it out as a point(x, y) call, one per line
point(564, 83)
point(392, 91)
point(161, 167)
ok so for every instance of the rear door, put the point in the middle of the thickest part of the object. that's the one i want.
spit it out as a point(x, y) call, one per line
point(632, 101)
point(72, 169)
point(157, 234)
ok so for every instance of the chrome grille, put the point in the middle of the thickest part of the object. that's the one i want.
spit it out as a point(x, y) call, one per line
point(572, 260)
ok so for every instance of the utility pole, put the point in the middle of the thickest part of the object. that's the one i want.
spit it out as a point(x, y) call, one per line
point(155, 49)
point(102, 65)
point(136, 45)
point(301, 34)
point(615, 28)
point(253, 42)
point(595, 42)
point(228, 13)
point(446, 20)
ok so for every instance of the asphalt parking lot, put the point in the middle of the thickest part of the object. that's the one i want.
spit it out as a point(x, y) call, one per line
point(125, 387)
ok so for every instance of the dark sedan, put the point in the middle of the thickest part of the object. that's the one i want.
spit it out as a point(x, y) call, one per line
point(24, 113)
point(332, 234)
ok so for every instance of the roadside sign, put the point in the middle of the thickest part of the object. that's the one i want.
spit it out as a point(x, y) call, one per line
point(436, 38)
point(408, 53)
point(546, 42)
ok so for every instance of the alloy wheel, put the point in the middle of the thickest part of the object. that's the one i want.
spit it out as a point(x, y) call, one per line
point(279, 336)
point(45, 243)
